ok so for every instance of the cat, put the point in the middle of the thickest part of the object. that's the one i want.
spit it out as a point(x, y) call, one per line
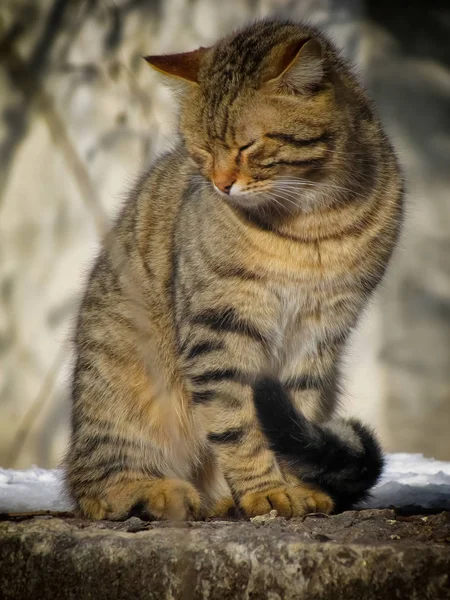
point(224, 295)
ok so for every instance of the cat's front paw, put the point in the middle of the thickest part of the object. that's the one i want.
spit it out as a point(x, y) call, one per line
point(168, 499)
point(173, 500)
point(316, 500)
point(288, 501)
point(224, 508)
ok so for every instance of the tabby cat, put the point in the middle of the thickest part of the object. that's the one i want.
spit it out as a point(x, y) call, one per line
point(228, 287)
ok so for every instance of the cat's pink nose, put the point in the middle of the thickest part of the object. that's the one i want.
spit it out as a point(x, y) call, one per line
point(224, 182)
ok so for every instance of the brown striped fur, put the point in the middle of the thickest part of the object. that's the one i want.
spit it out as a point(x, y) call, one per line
point(249, 249)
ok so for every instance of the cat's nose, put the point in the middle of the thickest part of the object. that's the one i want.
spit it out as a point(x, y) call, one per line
point(224, 183)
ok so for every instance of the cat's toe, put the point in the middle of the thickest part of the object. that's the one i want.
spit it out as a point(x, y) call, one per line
point(283, 499)
point(168, 499)
point(93, 508)
point(173, 500)
point(317, 501)
point(223, 508)
point(288, 501)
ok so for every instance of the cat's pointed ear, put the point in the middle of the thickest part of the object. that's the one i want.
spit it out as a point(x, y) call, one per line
point(184, 66)
point(297, 66)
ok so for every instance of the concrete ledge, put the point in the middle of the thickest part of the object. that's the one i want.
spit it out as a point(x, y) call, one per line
point(356, 555)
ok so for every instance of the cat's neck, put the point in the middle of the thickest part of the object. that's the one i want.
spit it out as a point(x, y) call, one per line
point(311, 226)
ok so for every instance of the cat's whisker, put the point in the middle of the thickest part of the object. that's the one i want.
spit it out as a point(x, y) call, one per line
point(294, 179)
point(285, 198)
point(320, 186)
point(283, 194)
point(314, 183)
point(279, 204)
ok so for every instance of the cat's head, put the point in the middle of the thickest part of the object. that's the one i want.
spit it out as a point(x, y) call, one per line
point(259, 114)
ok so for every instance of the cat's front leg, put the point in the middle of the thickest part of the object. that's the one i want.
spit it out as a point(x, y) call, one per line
point(310, 374)
point(250, 467)
point(222, 401)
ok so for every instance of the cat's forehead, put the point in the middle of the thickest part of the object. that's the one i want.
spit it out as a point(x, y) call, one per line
point(237, 120)
point(226, 90)
point(240, 58)
point(225, 117)
point(232, 110)
point(230, 80)
point(234, 67)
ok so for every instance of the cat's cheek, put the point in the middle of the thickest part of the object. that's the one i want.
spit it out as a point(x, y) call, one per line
point(201, 168)
point(206, 169)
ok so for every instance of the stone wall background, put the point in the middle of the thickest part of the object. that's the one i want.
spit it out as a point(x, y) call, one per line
point(81, 114)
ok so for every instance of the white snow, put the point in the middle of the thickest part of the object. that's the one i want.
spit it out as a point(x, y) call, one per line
point(409, 479)
point(31, 490)
point(412, 479)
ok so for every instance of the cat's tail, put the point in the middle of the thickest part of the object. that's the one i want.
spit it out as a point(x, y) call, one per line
point(341, 456)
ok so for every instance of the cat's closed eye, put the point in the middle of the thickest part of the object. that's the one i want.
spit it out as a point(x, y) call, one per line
point(246, 146)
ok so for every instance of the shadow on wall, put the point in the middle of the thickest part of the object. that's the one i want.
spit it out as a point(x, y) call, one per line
point(408, 73)
point(81, 114)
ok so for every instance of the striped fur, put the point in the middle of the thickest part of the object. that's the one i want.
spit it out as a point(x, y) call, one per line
point(250, 249)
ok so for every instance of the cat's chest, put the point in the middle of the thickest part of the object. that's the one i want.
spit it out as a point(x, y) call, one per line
point(294, 305)
point(291, 301)
point(306, 316)
point(296, 299)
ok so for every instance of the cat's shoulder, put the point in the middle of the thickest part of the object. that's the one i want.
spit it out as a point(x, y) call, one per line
point(166, 175)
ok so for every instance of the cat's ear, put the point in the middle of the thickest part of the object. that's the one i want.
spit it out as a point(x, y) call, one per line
point(297, 66)
point(184, 66)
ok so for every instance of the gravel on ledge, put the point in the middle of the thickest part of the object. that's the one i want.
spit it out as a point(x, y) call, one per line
point(359, 555)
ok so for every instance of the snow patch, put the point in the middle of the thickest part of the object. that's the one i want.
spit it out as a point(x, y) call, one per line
point(409, 479)
point(412, 479)
point(32, 489)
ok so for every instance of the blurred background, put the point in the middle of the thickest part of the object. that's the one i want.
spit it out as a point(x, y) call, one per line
point(81, 114)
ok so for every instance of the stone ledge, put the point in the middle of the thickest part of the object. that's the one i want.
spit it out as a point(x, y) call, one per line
point(359, 555)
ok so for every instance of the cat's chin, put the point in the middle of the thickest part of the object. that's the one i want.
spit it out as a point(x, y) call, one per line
point(243, 200)
point(265, 203)
point(264, 200)
point(246, 201)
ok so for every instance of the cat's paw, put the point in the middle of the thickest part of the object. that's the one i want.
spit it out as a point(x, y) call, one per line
point(92, 508)
point(223, 508)
point(168, 499)
point(172, 500)
point(316, 500)
point(288, 501)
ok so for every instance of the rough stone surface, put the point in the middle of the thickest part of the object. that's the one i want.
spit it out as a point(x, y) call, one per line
point(81, 114)
point(355, 555)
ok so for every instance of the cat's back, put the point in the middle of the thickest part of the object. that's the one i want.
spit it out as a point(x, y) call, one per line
point(145, 227)
point(140, 241)
point(129, 284)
